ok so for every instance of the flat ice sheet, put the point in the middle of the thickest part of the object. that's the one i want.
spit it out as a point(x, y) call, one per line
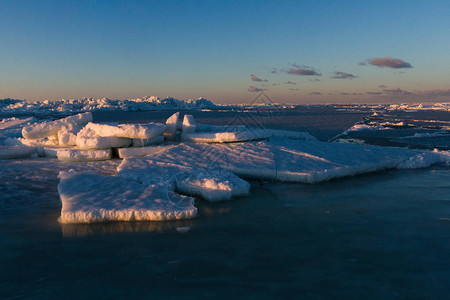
point(226, 137)
point(12, 127)
point(89, 197)
point(139, 151)
point(285, 160)
point(242, 134)
point(13, 152)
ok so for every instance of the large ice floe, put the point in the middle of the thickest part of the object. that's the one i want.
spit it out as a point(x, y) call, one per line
point(164, 165)
point(89, 197)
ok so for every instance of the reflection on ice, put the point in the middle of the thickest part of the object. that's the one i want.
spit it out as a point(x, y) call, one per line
point(82, 230)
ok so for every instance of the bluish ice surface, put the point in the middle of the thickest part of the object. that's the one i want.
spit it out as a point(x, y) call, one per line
point(382, 235)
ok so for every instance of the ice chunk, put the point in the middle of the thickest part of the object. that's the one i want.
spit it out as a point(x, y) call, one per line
point(226, 137)
point(189, 124)
point(89, 198)
point(87, 139)
point(425, 159)
point(138, 151)
point(67, 135)
point(212, 185)
point(147, 142)
point(132, 131)
point(171, 126)
point(11, 152)
point(46, 129)
point(51, 152)
point(82, 154)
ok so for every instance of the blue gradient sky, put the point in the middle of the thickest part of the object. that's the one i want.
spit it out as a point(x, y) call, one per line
point(188, 49)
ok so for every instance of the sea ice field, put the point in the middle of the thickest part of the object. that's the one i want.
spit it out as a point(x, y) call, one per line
point(195, 200)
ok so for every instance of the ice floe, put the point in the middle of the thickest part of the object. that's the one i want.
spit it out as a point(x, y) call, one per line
point(89, 197)
point(281, 159)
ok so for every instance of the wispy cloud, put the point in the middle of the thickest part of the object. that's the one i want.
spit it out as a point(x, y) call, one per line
point(388, 62)
point(374, 93)
point(434, 93)
point(396, 91)
point(291, 89)
point(382, 86)
point(255, 78)
point(290, 82)
point(254, 89)
point(343, 75)
point(315, 93)
point(302, 71)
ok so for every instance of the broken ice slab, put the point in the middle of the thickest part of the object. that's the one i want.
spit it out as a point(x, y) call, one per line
point(88, 198)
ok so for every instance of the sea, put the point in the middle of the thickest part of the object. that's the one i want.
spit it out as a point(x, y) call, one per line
point(382, 235)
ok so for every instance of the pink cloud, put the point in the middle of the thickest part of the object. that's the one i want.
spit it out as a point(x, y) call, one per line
point(254, 78)
point(254, 89)
point(302, 70)
point(389, 62)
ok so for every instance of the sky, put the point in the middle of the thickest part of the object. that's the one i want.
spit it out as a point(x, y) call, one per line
point(300, 52)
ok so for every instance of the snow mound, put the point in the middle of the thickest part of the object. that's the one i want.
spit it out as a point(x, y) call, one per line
point(46, 129)
point(88, 198)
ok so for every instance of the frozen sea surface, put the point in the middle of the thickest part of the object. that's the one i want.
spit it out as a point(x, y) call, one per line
point(381, 235)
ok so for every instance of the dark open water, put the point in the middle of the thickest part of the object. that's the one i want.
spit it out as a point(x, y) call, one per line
point(378, 236)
